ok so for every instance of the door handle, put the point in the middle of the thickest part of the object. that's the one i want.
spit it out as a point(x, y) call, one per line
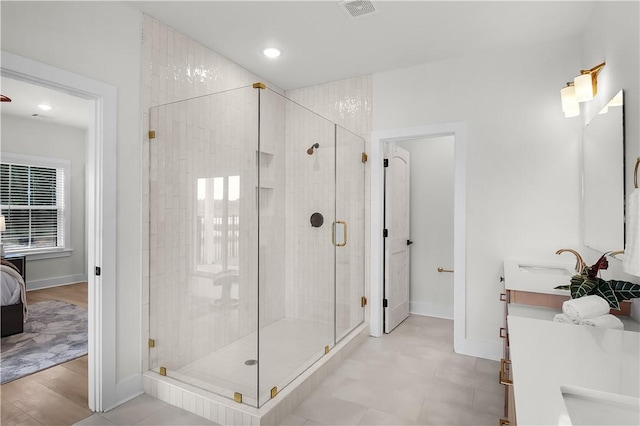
point(441, 269)
point(333, 233)
point(409, 242)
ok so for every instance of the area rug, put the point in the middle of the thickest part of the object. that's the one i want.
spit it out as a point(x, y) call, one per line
point(55, 332)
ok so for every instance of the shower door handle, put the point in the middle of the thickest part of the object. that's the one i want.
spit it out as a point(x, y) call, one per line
point(333, 233)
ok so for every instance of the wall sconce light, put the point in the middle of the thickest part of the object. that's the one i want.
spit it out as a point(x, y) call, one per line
point(570, 105)
point(586, 83)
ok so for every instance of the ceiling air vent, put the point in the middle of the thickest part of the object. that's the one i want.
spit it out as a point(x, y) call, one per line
point(358, 8)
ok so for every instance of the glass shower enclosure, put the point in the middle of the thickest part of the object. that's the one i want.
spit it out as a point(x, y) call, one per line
point(256, 241)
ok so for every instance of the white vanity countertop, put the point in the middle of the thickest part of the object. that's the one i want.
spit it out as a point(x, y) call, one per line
point(546, 355)
point(538, 276)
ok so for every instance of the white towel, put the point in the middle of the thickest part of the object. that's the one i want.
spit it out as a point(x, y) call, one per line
point(564, 318)
point(585, 307)
point(604, 321)
point(631, 262)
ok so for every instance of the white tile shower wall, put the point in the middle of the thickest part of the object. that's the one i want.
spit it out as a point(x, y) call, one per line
point(310, 189)
point(347, 103)
point(272, 218)
point(177, 68)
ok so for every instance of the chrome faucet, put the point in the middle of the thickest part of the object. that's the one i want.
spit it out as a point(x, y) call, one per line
point(580, 265)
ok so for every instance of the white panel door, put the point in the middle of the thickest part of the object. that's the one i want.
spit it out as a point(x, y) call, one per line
point(398, 237)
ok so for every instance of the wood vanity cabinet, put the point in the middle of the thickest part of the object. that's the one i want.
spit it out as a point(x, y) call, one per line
point(505, 376)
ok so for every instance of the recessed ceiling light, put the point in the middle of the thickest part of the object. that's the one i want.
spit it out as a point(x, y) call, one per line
point(44, 107)
point(271, 52)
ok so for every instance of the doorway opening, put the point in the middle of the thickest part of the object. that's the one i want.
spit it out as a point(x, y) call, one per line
point(458, 132)
point(100, 201)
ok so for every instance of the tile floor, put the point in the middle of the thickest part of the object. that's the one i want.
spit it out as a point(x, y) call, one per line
point(408, 377)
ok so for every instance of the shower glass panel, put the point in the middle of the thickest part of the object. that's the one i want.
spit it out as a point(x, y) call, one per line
point(203, 242)
point(246, 290)
point(296, 259)
point(350, 229)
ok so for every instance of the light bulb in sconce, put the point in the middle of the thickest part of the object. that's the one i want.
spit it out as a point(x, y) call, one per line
point(587, 83)
point(570, 105)
point(585, 87)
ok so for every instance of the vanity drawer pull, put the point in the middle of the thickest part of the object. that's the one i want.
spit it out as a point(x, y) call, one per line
point(503, 375)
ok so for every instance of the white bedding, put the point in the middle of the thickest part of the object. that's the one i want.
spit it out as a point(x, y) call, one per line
point(12, 288)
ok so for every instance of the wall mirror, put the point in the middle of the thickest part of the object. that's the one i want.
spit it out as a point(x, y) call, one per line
point(603, 178)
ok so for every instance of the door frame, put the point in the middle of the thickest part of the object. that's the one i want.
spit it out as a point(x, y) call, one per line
point(100, 214)
point(378, 138)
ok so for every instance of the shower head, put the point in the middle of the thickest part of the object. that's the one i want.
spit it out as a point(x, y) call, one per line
point(310, 150)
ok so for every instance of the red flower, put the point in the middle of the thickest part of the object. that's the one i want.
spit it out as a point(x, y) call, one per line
point(602, 263)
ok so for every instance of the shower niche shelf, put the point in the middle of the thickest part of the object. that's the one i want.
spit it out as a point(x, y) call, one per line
point(265, 161)
point(266, 201)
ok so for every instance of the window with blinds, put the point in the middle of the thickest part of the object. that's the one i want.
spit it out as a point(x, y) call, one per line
point(33, 204)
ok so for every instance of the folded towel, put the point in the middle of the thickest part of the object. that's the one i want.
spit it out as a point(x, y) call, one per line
point(564, 318)
point(604, 321)
point(585, 307)
point(631, 261)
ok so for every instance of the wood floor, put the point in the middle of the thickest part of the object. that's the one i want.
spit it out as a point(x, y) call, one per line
point(58, 395)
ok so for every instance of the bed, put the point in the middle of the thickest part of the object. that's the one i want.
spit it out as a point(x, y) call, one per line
point(13, 306)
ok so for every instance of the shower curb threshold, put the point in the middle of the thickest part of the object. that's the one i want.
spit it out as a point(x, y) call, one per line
point(226, 412)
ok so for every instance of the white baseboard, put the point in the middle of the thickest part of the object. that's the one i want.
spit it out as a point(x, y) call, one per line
point(56, 281)
point(431, 310)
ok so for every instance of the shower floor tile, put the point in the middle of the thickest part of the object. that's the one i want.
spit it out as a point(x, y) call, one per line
point(287, 348)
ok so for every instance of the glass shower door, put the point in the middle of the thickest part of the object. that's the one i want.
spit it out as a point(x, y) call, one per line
point(350, 231)
point(203, 242)
point(297, 170)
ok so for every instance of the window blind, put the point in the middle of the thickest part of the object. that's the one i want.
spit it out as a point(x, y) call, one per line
point(33, 204)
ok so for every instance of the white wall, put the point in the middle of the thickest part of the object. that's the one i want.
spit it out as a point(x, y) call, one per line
point(431, 292)
point(43, 139)
point(523, 156)
point(99, 40)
